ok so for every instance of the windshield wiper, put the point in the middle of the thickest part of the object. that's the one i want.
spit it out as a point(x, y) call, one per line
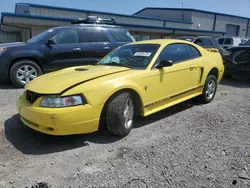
point(117, 64)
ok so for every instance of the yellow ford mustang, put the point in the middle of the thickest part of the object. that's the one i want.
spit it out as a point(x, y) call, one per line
point(135, 79)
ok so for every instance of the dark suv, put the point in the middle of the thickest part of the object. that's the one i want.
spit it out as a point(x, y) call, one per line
point(207, 42)
point(83, 43)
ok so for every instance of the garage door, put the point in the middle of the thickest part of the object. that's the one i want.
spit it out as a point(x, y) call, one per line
point(232, 30)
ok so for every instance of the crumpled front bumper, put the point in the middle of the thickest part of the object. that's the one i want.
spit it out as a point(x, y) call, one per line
point(60, 121)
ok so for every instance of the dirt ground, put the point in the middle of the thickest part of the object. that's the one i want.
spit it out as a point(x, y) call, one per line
point(188, 145)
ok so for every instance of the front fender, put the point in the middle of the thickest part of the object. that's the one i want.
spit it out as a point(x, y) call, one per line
point(26, 54)
point(98, 92)
point(100, 96)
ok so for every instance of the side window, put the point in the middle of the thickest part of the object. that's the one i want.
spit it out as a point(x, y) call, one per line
point(175, 52)
point(121, 35)
point(221, 41)
point(67, 36)
point(198, 42)
point(93, 35)
point(229, 41)
point(206, 43)
point(194, 53)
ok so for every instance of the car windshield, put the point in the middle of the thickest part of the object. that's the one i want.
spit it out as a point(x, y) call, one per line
point(133, 56)
point(40, 36)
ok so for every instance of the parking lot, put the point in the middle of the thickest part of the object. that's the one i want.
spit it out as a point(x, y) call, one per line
point(188, 145)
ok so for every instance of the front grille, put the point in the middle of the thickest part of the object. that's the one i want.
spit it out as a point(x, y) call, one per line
point(31, 97)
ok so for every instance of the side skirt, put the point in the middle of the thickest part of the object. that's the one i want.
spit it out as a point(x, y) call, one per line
point(171, 101)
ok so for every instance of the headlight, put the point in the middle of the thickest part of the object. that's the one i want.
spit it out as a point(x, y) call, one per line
point(56, 101)
point(2, 50)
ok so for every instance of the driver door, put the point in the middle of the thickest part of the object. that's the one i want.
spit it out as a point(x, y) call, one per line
point(169, 82)
point(67, 51)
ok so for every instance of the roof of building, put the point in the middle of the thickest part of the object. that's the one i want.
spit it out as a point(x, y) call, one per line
point(119, 24)
point(191, 9)
point(100, 12)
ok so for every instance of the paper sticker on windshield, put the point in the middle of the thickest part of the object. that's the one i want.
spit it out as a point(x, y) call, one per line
point(143, 54)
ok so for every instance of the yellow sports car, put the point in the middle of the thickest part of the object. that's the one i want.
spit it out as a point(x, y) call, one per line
point(135, 79)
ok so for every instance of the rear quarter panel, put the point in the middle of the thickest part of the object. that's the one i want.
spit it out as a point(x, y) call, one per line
point(210, 61)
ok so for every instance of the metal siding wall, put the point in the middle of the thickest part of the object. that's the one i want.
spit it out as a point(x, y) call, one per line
point(127, 20)
point(178, 25)
point(9, 37)
point(168, 14)
point(205, 20)
point(26, 22)
point(181, 33)
point(57, 13)
point(22, 9)
point(222, 21)
point(77, 14)
point(139, 29)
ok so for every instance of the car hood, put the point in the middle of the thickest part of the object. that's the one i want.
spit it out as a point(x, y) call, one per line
point(60, 81)
point(12, 44)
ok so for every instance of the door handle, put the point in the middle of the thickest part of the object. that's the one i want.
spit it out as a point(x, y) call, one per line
point(106, 48)
point(77, 49)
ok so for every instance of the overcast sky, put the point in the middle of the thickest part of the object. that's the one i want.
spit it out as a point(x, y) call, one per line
point(240, 7)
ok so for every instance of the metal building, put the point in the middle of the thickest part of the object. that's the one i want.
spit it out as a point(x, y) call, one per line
point(149, 23)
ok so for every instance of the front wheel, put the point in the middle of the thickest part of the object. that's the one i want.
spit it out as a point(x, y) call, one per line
point(24, 71)
point(209, 90)
point(120, 114)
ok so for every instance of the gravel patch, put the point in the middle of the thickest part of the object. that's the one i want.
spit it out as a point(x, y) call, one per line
point(188, 145)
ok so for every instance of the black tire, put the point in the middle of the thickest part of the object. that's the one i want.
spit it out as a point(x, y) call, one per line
point(204, 98)
point(19, 64)
point(115, 115)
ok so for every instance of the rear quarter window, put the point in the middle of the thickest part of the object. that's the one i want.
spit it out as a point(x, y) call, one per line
point(121, 35)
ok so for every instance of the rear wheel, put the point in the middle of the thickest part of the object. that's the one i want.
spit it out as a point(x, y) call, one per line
point(120, 114)
point(24, 71)
point(209, 90)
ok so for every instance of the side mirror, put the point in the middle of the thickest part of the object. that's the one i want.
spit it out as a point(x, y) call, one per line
point(50, 42)
point(164, 63)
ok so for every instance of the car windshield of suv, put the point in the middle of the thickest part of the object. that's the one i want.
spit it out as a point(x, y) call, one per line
point(133, 56)
point(40, 36)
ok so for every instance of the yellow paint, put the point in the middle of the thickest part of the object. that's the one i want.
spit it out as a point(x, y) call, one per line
point(157, 88)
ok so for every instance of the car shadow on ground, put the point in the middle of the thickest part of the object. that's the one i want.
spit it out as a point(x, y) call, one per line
point(8, 86)
point(31, 142)
point(235, 82)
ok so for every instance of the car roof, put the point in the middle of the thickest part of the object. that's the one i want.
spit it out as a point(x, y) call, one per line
point(162, 41)
point(88, 25)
